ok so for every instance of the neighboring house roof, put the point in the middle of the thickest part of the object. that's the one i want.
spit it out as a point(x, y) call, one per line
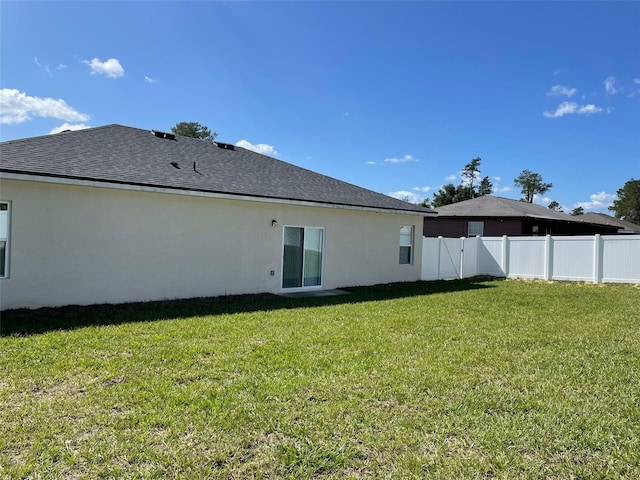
point(604, 219)
point(131, 156)
point(490, 206)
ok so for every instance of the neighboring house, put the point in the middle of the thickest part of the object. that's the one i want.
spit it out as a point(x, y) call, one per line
point(118, 214)
point(496, 216)
point(624, 227)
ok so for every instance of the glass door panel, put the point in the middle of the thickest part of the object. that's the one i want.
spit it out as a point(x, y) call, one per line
point(293, 257)
point(313, 257)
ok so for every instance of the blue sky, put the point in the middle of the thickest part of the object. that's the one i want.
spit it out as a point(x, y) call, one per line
point(393, 96)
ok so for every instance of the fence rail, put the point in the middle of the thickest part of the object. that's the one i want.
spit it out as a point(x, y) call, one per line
point(597, 259)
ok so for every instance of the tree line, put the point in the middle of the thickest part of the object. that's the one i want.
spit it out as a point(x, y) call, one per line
point(473, 185)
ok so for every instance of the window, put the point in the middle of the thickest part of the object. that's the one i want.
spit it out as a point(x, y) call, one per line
point(476, 229)
point(4, 239)
point(406, 245)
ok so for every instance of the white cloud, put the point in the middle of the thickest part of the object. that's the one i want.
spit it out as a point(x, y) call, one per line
point(421, 189)
point(634, 90)
point(69, 126)
point(111, 68)
point(404, 159)
point(258, 147)
point(600, 201)
point(544, 201)
point(497, 188)
point(149, 80)
point(18, 107)
point(44, 67)
point(570, 108)
point(610, 86)
point(589, 109)
point(407, 196)
point(561, 90)
point(450, 178)
point(467, 181)
point(370, 162)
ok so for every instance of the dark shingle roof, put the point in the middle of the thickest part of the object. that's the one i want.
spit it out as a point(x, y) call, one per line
point(490, 206)
point(115, 153)
point(604, 219)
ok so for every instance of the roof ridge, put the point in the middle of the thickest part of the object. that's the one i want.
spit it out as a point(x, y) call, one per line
point(47, 135)
point(503, 200)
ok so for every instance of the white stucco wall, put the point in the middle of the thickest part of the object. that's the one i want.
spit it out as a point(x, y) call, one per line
point(82, 245)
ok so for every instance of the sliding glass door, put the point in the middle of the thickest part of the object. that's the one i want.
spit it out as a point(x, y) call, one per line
point(302, 257)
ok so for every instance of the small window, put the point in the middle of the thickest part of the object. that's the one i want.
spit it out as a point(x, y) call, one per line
point(476, 229)
point(406, 245)
point(4, 239)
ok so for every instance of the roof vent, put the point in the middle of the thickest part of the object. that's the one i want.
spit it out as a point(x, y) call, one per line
point(226, 146)
point(159, 134)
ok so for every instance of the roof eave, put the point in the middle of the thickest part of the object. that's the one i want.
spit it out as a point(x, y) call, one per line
point(100, 183)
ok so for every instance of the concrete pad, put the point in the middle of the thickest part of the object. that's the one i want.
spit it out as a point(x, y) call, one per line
point(314, 293)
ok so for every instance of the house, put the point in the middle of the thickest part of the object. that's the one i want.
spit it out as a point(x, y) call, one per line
point(624, 227)
point(119, 214)
point(489, 215)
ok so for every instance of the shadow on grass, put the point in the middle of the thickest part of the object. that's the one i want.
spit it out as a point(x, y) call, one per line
point(25, 322)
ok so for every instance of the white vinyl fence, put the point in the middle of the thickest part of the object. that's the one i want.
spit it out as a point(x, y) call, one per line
point(597, 259)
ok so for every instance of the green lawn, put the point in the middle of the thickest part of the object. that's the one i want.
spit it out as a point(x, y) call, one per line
point(459, 379)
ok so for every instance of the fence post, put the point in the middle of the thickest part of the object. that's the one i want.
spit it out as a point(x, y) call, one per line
point(479, 242)
point(461, 274)
point(440, 238)
point(597, 253)
point(548, 257)
point(505, 255)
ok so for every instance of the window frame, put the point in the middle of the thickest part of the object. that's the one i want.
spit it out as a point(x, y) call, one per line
point(402, 245)
point(7, 239)
point(475, 224)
